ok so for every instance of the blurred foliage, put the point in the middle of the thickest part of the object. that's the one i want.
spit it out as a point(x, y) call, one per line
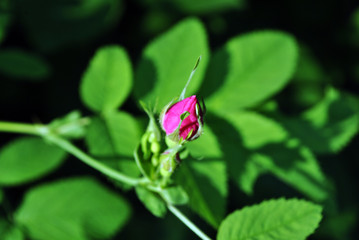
point(281, 83)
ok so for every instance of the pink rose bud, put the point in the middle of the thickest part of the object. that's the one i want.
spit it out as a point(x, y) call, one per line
point(191, 125)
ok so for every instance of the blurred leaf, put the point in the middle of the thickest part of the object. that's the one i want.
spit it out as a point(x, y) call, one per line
point(272, 220)
point(253, 144)
point(249, 69)
point(175, 195)
point(108, 79)
point(72, 125)
point(205, 182)
point(17, 63)
point(1, 196)
point(339, 226)
point(329, 125)
point(26, 159)
point(152, 202)
point(167, 62)
point(52, 25)
point(10, 232)
point(78, 209)
point(309, 69)
point(207, 6)
point(5, 18)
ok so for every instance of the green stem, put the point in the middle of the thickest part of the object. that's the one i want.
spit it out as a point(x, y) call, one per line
point(70, 148)
point(42, 130)
point(187, 222)
point(23, 128)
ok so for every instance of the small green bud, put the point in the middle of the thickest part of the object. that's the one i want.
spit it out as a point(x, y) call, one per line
point(155, 147)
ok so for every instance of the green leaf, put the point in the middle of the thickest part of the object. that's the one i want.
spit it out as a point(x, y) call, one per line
point(98, 139)
point(12, 233)
point(207, 6)
point(57, 24)
point(116, 134)
point(26, 159)
point(1, 196)
point(78, 209)
point(17, 63)
point(152, 201)
point(332, 123)
point(175, 195)
point(207, 146)
point(272, 220)
point(167, 63)
point(253, 144)
point(205, 182)
point(124, 131)
point(107, 81)
point(249, 69)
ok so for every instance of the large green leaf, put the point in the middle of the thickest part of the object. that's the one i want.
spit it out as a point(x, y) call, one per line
point(98, 138)
point(77, 209)
point(112, 139)
point(125, 132)
point(249, 69)
point(272, 220)
point(116, 133)
point(20, 64)
point(253, 144)
point(107, 80)
point(167, 62)
point(205, 182)
point(207, 6)
point(329, 125)
point(26, 159)
point(56, 24)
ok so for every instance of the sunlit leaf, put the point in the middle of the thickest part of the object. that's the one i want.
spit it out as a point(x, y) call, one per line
point(108, 79)
point(272, 220)
point(249, 69)
point(253, 144)
point(205, 182)
point(78, 208)
point(167, 62)
point(329, 125)
point(27, 159)
point(17, 63)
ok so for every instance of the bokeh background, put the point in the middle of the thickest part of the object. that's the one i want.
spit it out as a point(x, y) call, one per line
point(45, 46)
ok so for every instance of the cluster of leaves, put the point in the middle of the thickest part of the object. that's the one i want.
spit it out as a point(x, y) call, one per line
point(245, 136)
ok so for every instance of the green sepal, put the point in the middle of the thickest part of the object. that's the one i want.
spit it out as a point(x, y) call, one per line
point(143, 165)
point(72, 125)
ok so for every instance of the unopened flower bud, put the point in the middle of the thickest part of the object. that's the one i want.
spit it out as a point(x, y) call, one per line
point(183, 120)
